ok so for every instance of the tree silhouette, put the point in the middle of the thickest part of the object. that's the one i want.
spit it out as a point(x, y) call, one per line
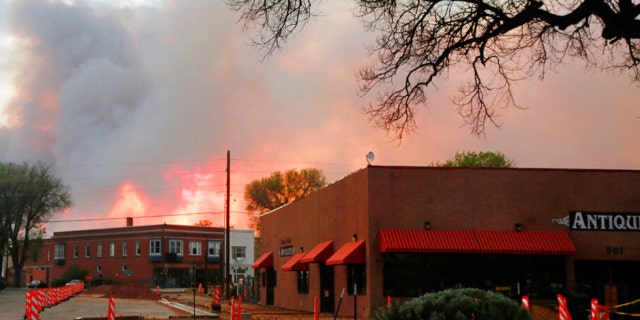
point(29, 195)
point(278, 189)
point(482, 159)
point(498, 42)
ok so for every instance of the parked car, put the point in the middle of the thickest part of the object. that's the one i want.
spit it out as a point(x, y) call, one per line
point(36, 284)
point(74, 281)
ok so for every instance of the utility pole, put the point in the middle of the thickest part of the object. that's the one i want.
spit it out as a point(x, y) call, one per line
point(227, 247)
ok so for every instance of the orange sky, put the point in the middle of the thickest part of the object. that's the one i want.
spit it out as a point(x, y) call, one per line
point(136, 107)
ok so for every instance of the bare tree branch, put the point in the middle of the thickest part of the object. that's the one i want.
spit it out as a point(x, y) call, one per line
point(500, 42)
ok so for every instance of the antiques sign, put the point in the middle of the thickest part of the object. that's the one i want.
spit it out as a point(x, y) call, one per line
point(604, 221)
point(286, 249)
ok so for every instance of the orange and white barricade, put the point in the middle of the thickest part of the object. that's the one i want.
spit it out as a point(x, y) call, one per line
point(603, 313)
point(111, 311)
point(215, 303)
point(594, 314)
point(563, 309)
point(233, 311)
point(525, 303)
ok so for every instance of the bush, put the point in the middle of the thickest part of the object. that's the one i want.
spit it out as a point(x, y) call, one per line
point(457, 304)
point(74, 272)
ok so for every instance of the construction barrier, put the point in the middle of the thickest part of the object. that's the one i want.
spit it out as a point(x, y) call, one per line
point(31, 307)
point(525, 303)
point(37, 299)
point(563, 309)
point(232, 313)
point(594, 314)
point(215, 304)
point(603, 313)
point(239, 309)
point(111, 311)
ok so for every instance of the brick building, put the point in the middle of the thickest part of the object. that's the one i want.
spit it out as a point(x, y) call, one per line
point(400, 232)
point(152, 255)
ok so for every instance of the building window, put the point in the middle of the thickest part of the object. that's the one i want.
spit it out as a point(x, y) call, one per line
point(59, 251)
point(125, 249)
point(112, 249)
point(99, 269)
point(124, 267)
point(357, 277)
point(87, 251)
point(138, 251)
point(213, 248)
point(155, 247)
point(48, 255)
point(303, 281)
point(99, 250)
point(238, 253)
point(75, 251)
point(175, 246)
point(195, 248)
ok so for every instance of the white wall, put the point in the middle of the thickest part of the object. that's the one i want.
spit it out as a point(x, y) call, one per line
point(242, 238)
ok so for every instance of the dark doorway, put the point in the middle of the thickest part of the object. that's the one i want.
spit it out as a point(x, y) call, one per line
point(610, 281)
point(270, 284)
point(327, 300)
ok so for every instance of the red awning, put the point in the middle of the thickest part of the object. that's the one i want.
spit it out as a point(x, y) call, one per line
point(525, 242)
point(349, 253)
point(476, 241)
point(265, 261)
point(320, 253)
point(400, 240)
point(294, 263)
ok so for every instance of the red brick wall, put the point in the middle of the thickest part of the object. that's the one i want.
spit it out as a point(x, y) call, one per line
point(450, 198)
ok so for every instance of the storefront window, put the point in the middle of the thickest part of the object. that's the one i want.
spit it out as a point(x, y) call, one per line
point(303, 281)
point(411, 275)
point(357, 277)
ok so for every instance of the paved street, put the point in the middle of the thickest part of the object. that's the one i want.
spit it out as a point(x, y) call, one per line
point(12, 303)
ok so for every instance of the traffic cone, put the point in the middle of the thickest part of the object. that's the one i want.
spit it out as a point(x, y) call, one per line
point(215, 304)
point(594, 314)
point(111, 312)
point(239, 314)
point(563, 309)
point(603, 313)
point(233, 311)
point(525, 303)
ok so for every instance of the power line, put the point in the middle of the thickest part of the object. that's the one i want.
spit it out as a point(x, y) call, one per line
point(137, 217)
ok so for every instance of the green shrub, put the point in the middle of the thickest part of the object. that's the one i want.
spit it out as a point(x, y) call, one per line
point(456, 304)
point(74, 272)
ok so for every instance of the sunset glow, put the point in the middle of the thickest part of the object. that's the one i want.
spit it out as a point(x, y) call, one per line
point(130, 202)
point(134, 105)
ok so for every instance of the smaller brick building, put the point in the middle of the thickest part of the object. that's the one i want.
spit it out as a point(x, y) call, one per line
point(399, 232)
point(155, 255)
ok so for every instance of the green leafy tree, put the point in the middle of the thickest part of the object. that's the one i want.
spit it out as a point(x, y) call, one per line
point(278, 189)
point(498, 42)
point(478, 159)
point(29, 195)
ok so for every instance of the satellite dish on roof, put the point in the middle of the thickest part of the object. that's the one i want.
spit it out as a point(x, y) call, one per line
point(370, 157)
